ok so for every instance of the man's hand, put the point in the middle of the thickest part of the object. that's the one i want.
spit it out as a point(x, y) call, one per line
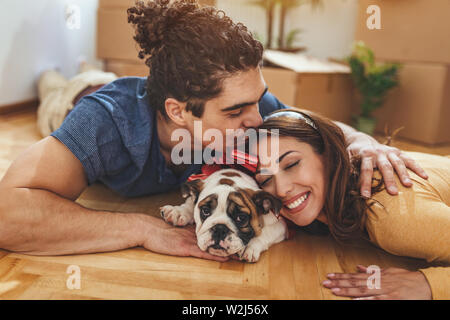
point(386, 159)
point(395, 284)
point(176, 241)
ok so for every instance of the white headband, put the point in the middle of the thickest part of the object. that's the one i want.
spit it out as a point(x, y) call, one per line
point(292, 114)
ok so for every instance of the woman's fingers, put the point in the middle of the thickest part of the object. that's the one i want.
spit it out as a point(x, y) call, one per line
point(366, 176)
point(361, 268)
point(346, 276)
point(356, 292)
point(346, 280)
point(345, 283)
point(352, 284)
point(378, 297)
point(390, 283)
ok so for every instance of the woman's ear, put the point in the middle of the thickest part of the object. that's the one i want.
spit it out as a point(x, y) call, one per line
point(176, 111)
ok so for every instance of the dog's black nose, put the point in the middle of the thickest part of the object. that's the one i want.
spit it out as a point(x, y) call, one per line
point(219, 232)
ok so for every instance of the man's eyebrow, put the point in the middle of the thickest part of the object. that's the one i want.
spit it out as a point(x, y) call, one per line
point(244, 104)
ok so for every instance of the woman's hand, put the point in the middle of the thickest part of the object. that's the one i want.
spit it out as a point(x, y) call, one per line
point(394, 284)
point(388, 160)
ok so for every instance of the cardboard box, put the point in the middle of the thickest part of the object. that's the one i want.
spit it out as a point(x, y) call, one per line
point(130, 3)
point(421, 104)
point(115, 34)
point(117, 4)
point(123, 68)
point(411, 30)
point(330, 94)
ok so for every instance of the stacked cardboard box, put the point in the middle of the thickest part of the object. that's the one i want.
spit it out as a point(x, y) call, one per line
point(115, 43)
point(309, 83)
point(415, 33)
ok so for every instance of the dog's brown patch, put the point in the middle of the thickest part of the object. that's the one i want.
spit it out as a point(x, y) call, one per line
point(242, 199)
point(231, 174)
point(210, 200)
point(226, 181)
point(192, 188)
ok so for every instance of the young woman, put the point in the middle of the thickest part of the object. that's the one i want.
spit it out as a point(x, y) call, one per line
point(315, 179)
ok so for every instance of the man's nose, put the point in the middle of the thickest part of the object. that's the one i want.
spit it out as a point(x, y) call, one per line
point(253, 118)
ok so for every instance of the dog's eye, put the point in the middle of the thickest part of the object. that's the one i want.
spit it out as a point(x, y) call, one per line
point(205, 212)
point(242, 219)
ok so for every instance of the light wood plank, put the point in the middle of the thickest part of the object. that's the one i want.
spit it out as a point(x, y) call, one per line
point(292, 269)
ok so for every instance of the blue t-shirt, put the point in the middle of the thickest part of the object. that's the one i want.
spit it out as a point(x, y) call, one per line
point(113, 133)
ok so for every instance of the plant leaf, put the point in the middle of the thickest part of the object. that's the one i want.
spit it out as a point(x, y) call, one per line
point(373, 81)
point(292, 36)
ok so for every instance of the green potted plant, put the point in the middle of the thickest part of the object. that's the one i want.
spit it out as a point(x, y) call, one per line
point(285, 40)
point(291, 37)
point(373, 81)
point(269, 8)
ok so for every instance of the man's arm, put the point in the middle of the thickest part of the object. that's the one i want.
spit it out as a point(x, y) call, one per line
point(388, 160)
point(38, 214)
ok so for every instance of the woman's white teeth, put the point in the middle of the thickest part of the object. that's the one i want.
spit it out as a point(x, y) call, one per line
point(297, 202)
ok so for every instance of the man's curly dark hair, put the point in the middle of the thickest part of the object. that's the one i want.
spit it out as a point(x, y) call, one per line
point(190, 50)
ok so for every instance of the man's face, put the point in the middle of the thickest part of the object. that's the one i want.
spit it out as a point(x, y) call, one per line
point(237, 107)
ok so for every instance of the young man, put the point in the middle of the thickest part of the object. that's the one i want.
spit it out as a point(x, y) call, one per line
point(203, 67)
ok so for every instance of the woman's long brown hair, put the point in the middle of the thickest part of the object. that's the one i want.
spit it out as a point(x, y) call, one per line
point(344, 207)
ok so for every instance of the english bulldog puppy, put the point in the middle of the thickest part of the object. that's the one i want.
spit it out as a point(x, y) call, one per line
point(231, 213)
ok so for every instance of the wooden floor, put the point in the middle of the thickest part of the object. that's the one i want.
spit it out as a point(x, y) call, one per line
point(290, 270)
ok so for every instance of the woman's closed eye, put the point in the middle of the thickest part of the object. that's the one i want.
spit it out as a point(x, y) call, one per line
point(268, 179)
point(292, 165)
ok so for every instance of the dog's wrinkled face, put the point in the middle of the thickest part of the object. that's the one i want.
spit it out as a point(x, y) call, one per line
point(227, 211)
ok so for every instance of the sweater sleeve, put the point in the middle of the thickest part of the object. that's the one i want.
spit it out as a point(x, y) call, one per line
point(416, 224)
point(439, 281)
point(439, 277)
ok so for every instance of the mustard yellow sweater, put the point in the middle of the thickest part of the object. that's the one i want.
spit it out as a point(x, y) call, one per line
point(416, 223)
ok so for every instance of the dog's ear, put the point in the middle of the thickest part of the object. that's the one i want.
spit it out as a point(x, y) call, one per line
point(265, 202)
point(192, 188)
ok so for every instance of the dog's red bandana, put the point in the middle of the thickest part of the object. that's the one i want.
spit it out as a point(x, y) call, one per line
point(240, 161)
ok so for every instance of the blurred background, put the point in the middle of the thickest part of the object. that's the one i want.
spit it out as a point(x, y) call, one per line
point(314, 49)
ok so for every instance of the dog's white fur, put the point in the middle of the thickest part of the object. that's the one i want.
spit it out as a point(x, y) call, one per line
point(273, 230)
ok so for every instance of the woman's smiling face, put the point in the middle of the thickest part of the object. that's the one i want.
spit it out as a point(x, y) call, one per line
point(297, 179)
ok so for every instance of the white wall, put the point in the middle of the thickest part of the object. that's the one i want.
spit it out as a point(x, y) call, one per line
point(34, 37)
point(327, 32)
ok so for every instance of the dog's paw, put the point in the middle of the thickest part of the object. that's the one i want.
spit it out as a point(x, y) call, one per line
point(252, 252)
point(176, 215)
